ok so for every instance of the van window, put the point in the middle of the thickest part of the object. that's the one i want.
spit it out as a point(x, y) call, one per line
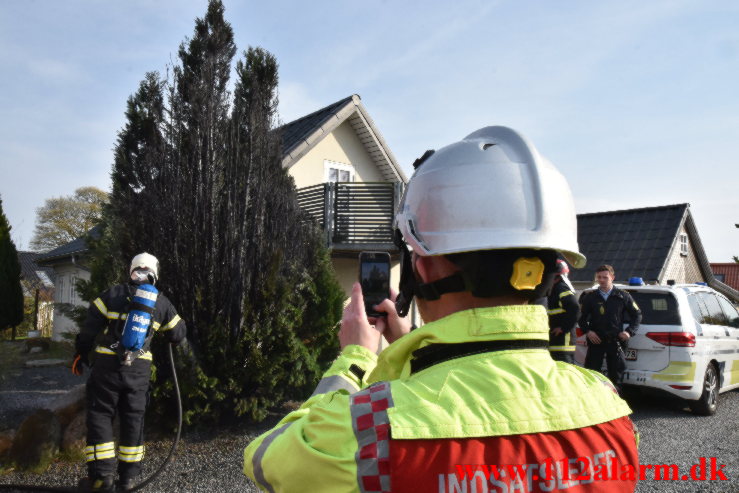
point(698, 308)
point(656, 308)
point(729, 311)
point(715, 314)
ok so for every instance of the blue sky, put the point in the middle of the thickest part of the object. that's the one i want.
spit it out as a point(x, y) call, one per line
point(635, 102)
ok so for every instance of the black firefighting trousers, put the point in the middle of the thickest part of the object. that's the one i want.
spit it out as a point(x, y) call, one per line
point(123, 391)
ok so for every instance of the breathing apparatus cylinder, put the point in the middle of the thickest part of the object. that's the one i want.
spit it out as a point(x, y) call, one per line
point(138, 321)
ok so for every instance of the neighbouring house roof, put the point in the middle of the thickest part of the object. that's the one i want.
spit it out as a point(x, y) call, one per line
point(730, 271)
point(638, 242)
point(301, 135)
point(635, 242)
point(37, 276)
point(68, 250)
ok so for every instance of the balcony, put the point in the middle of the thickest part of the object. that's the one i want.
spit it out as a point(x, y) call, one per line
point(353, 216)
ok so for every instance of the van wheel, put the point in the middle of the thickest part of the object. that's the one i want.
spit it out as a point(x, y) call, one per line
point(708, 402)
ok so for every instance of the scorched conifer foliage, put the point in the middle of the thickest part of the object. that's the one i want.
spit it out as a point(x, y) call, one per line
point(198, 182)
point(11, 291)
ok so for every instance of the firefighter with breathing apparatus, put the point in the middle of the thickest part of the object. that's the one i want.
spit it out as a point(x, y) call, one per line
point(486, 219)
point(123, 320)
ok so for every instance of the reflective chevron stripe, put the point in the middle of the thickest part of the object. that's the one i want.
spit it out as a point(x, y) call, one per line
point(104, 350)
point(130, 454)
point(175, 320)
point(100, 451)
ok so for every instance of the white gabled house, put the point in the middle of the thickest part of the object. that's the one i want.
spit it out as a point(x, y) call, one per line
point(348, 179)
point(68, 264)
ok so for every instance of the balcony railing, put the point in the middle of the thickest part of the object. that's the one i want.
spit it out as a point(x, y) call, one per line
point(354, 216)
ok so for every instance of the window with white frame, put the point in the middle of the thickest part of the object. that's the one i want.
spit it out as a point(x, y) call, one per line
point(60, 284)
point(337, 172)
point(683, 244)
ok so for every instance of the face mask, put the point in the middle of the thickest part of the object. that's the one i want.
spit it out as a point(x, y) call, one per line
point(142, 277)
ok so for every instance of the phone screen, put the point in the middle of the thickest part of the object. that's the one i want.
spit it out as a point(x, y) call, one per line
point(374, 277)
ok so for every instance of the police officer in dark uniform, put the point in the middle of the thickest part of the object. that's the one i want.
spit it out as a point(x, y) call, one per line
point(119, 381)
point(601, 319)
point(563, 310)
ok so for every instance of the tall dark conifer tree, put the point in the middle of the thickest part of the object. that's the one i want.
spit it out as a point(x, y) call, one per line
point(198, 182)
point(11, 291)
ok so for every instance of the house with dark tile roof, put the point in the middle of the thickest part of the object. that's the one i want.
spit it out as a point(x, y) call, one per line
point(33, 275)
point(346, 177)
point(38, 286)
point(67, 263)
point(658, 244)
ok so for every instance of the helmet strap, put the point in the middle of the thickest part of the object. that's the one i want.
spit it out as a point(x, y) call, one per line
point(431, 291)
point(407, 285)
point(410, 285)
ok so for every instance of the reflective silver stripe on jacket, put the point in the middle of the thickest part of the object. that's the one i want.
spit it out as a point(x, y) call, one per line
point(256, 459)
point(371, 425)
point(334, 382)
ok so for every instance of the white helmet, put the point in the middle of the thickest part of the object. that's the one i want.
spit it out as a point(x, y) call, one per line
point(145, 261)
point(490, 191)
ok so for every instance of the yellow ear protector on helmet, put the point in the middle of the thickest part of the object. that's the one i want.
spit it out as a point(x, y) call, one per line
point(527, 273)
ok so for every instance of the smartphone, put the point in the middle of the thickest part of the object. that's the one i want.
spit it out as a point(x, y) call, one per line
point(374, 277)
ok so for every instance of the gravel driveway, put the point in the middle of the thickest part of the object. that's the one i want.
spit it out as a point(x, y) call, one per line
point(206, 461)
point(210, 461)
point(22, 391)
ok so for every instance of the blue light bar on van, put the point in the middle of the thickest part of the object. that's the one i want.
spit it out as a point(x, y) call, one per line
point(702, 283)
point(636, 281)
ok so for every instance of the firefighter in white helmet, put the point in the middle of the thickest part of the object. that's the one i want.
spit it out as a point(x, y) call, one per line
point(486, 219)
point(127, 315)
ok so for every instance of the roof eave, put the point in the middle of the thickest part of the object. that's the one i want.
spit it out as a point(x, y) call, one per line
point(56, 258)
point(354, 105)
point(384, 148)
point(703, 263)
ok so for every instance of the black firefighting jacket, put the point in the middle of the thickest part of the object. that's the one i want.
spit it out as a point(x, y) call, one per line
point(563, 310)
point(107, 314)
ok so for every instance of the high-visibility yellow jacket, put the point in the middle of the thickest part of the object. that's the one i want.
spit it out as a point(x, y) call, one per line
point(410, 419)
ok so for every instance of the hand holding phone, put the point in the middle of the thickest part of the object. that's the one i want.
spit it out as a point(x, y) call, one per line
point(374, 278)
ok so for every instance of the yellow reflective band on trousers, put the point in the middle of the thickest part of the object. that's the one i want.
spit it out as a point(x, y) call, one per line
point(491, 394)
point(100, 451)
point(130, 454)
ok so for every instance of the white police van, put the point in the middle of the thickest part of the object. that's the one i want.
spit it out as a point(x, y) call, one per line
point(687, 343)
